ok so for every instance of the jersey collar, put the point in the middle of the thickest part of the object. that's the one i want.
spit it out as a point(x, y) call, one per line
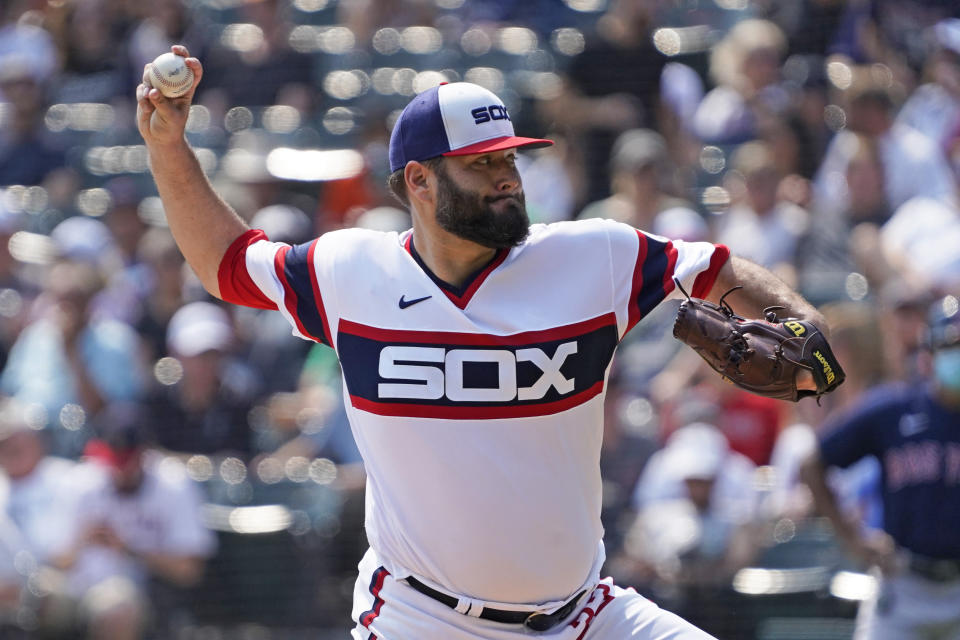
point(460, 296)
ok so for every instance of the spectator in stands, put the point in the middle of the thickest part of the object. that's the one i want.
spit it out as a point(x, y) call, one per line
point(127, 280)
point(640, 175)
point(705, 453)
point(920, 242)
point(912, 164)
point(28, 150)
point(745, 65)
point(629, 439)
point(686, 392)
point(694, 526)
point(17, 292)
point(284, 76)
point(164, 280)
point(760, 224)
point(92, 70)
point(70, 363)
point(933, 108)
point(842, 241)
point(37, 505)
point(123, 217)
point(137, 519)
point(205, 410)
point(598, 100)
point(902, 317)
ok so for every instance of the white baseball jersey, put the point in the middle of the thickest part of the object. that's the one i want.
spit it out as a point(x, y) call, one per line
point(478, 410)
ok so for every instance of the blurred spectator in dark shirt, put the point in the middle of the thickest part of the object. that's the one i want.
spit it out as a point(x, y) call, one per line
point(258, 48)
point(599, 99)
point(70, 363)
point(164, 273)
point(122, 217)
point(809, 25)
point(890, 32)
point(28, 151)
point(92, 47)
point(203, 402)
point(127, 280)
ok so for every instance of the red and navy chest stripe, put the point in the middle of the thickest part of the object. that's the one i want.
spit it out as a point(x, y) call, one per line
point(435, 374)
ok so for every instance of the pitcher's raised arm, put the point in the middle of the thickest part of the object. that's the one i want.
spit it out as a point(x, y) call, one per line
point(203, 224)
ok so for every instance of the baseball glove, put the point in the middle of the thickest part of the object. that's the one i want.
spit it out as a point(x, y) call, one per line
point(761, 356)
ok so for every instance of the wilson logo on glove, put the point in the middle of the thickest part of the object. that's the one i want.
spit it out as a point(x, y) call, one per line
point(760, 356)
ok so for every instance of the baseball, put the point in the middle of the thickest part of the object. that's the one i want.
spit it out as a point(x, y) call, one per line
point(171, 75)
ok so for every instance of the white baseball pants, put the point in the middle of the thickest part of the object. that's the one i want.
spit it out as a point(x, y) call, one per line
point(908, 607)
point(388, 609)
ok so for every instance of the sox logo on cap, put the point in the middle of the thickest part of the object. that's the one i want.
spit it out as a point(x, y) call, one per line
point(459, 118)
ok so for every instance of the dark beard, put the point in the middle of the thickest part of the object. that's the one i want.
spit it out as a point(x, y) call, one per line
point(471, 217)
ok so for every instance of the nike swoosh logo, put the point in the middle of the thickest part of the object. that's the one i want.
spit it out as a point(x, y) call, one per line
point(406, 303)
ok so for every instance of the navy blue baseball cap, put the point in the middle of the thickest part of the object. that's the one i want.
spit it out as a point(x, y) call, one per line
point(454, 119)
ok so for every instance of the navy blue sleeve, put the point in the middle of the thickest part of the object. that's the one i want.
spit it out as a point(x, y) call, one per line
point(856, 433)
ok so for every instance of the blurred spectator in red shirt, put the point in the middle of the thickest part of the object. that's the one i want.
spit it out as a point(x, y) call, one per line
point(136, 517)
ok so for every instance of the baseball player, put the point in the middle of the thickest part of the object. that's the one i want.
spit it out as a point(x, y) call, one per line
point(913, 430)
point(475, 350)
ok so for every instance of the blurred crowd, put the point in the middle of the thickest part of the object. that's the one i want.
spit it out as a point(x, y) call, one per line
point(154, 440)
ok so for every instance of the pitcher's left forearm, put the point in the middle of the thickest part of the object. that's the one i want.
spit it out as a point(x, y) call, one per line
point(762, 289)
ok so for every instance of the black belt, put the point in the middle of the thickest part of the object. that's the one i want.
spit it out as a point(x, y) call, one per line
point(935, 569)
point(534, 621)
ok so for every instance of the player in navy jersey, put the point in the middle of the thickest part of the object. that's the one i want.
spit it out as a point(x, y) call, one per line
point(913, 430)
point(475, 350)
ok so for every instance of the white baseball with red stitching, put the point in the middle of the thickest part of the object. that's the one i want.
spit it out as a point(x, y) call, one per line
point(171, 75)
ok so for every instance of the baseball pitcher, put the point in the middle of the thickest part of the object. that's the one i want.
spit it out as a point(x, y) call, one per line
point(475, 351)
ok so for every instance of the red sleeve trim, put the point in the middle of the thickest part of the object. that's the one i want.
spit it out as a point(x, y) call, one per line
point(236, 285)
point(705, 279)
point(672, 255)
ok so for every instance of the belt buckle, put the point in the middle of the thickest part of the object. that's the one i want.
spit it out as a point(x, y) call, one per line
point(539, 622)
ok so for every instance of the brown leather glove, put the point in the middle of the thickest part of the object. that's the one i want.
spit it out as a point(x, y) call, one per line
point(761, 356)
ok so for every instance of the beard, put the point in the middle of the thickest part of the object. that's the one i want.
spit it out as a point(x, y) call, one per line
point(470, 216)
